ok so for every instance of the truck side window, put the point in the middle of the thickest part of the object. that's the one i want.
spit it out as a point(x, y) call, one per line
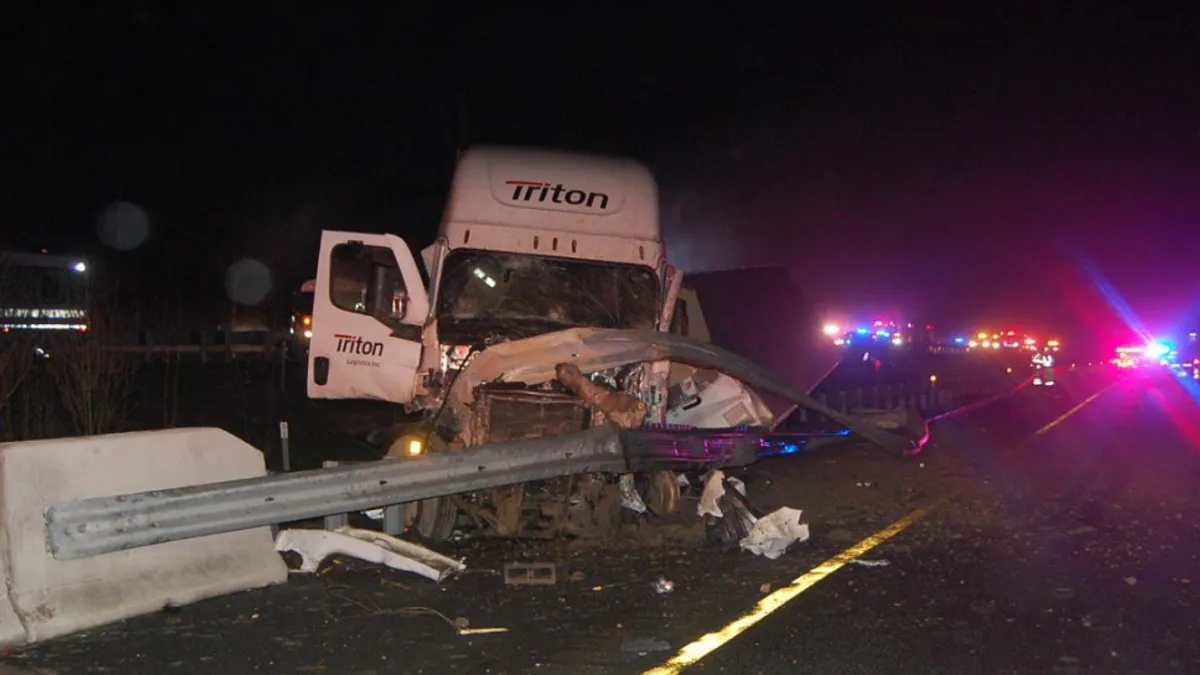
point(367, 280)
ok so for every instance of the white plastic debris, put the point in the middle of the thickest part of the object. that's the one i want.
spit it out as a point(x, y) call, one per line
point(775, 532)
point(663, 585)
point(737, 485)
point(870, 563)
point(630, 498)
point(714, 489)
point(377, 547)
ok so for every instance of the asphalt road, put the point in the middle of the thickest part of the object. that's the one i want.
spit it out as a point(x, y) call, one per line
point(1059, 532)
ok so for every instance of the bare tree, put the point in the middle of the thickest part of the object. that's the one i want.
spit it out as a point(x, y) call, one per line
point(16, 350)
point(94, 380)
point(16, 360)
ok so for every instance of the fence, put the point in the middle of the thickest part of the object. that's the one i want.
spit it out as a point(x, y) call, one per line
point(207, 345)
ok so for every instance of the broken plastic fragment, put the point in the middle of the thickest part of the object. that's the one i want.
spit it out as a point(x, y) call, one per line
point(870, 563)
point(645, 645)
point(714, 489)
point(775, 532)
point(317, 545)
point(630, 498)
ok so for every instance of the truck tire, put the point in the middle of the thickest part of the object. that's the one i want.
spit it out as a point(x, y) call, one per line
point(660, 492)
point(436, 519)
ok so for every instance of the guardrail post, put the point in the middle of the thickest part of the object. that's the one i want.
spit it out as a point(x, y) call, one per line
point(333, 522)
point(875, 396)
point(842, 405)
point(858, 399)
point(393, 519)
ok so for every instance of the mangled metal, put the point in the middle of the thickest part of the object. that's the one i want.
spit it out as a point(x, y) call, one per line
point(535, 360)
point(619, 406)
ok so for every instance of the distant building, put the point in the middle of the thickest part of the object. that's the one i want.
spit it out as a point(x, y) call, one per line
point(42, 292)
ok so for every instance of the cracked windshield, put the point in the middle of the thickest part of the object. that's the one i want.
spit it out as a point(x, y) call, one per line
point(501, 295)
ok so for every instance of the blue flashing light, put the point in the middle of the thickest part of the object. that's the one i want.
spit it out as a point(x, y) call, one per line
point(883, 333)
point(960, 340)
point(862, 331)
point(1158, 349)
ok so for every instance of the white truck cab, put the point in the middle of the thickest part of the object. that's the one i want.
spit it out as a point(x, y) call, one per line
point(531, 241)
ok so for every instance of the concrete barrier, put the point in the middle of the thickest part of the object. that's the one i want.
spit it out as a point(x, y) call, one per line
point(47, 597)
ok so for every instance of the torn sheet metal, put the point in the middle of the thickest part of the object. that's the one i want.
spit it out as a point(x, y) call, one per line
point(620, 407)
point(630, 497)
point(775, 532)
point(534, 360)
point(315, 546)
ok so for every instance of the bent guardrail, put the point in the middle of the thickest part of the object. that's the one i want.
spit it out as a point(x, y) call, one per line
point(100, 525)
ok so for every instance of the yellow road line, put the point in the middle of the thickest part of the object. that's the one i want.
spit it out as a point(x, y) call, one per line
point(707, 644)
point(1063, 418)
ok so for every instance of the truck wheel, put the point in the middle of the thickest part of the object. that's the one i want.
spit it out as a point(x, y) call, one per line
point(660, 492)
point(436, 518)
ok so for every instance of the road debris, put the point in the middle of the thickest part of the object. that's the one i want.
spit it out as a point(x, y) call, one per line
point(314, 546)
point(768, 535)
point(630, 498)
point(663, 585)
point(643, 646)
point(714, 488)
point(774, 533)
point(870, 563)
point(530, 574)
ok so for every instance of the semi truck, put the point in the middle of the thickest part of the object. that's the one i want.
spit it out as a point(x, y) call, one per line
point(543, 307)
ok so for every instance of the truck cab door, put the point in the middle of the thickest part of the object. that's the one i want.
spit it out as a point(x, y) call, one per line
point(369, 307)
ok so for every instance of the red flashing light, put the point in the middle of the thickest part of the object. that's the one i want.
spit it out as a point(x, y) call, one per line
point(878, 323)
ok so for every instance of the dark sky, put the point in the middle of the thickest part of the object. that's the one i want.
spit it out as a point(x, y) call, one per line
point(952, 165)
